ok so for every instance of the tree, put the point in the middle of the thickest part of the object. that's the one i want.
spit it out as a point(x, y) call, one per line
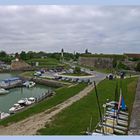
point(16, 55)
point(138, 67)
point(114, 63)
point(86, 51)
point(23, 55)
point(77, 70)
point(3, 54)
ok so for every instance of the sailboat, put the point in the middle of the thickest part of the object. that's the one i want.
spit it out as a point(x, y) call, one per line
point(115, 118)
point(116, 115)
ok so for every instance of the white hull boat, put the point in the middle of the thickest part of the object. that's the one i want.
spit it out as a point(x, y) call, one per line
point(15, 108)
point(4, 115)
point(3, 91)
point(32, 100)
point(27, 101)
point(29, 84)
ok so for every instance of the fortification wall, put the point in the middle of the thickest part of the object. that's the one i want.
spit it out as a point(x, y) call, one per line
point(96, 62)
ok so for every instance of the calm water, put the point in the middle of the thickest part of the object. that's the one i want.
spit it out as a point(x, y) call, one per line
point(7, 101)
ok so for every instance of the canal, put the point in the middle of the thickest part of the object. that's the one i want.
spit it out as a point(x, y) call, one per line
point(7, 101)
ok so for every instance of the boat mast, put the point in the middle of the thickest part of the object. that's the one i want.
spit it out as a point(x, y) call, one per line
point(115, 107)
point(100, 113)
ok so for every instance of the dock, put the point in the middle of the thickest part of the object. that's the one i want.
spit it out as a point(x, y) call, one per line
point(11, 83)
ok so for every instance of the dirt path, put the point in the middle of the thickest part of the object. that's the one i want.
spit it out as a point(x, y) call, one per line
point(30, 125)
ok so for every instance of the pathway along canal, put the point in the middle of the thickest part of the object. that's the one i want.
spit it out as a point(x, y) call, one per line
point(8, 100)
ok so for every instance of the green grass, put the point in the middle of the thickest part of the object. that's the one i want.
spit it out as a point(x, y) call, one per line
point(61, 95)
point(45, 61)
point(77, 74)
point(75, 119)
point(27, 74)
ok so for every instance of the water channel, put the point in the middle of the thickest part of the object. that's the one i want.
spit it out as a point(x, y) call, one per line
point(7, 101)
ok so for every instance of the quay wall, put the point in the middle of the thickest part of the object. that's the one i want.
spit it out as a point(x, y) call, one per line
point(46, 82)
point(134, 128)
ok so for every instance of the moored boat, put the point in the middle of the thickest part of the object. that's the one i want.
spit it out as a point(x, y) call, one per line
point(4, 115)
point(3, 91)
point(15, 108)
point(29, 84)
point(27, 101)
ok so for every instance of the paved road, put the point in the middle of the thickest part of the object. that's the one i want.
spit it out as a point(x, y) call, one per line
point(94, 76)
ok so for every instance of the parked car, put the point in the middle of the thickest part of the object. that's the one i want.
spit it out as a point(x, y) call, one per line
point(37, 73)
point(110, 76)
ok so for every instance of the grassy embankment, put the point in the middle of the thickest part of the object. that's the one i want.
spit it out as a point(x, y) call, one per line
point(46, 62)
point(61, 95)
point(75, 119)
point(27, 74)
point(77, 74)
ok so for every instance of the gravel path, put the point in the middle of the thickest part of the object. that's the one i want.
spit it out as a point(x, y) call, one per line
point(30, 125)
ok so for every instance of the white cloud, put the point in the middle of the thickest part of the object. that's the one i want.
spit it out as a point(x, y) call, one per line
point(109, 29)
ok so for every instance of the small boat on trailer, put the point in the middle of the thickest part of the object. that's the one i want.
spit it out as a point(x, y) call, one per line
point(115, 118)
point(119, 121)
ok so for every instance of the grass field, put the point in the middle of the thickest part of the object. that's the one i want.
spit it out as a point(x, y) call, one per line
point(43, 61)
point(27, 74)
point(61, 95)
point(75, 119)
point(77, 74)
point(50, 62)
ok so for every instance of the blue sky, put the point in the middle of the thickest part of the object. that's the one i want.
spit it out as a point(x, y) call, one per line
point(96, 2)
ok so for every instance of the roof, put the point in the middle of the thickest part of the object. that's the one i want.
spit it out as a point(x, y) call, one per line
point(132, 55)
point(12, 79)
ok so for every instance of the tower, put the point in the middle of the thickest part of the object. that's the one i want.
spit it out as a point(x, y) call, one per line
point(62, 54)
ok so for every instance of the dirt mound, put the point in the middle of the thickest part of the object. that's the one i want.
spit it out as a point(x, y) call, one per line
point(20, 65)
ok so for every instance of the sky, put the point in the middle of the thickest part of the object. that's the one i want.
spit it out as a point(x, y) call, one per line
point(100, 29)
point(81, 2)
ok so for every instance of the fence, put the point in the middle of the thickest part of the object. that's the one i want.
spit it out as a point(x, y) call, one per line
point(44, 96)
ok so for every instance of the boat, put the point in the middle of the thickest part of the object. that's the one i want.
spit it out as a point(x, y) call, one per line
point(4, 115)
point(27, 101)
point(11, 82)
point(24, 102)
point(3, 91)
point(114, 120)
point(32, 100)
point(15, 108)
point(29, 84)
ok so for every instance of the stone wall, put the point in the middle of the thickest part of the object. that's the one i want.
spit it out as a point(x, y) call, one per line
point(96, 62)
point(134, 128)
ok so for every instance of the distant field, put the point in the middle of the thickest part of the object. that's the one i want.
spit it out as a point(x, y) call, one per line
point(27, 74)
point(75, 119)
point(61, 95)
point(45, 61)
